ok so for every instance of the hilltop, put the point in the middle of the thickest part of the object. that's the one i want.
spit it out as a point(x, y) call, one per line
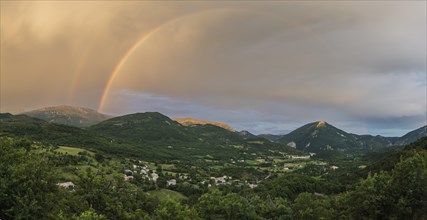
point(68, 115)
point(193, 121)
point(319, 136)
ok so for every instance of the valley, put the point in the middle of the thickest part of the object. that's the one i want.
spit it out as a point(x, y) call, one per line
point(171, 164)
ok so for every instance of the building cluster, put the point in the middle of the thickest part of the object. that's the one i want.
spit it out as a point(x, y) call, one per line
point(143, 170)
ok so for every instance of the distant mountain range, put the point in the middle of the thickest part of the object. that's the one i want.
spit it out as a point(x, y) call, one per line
point(155, 131)
point(320, 137)
point(68, 115)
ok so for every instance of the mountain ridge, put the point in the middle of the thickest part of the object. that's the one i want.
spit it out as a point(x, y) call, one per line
point(315, 137)
point(320, 137)
point(192, 121)
point(158, 134)
point(68, 115)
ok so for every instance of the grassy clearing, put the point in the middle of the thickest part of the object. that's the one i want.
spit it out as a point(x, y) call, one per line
point(170, 173)
point(217, 167)
point(256, 142)
point(167, 166)
point(277, 160)
point(251, 162)
point(72, 150)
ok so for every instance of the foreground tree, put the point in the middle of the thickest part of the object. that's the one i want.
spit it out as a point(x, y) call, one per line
point(400, 194)
point(27, 182)
point(172, 209)
point(308, 206)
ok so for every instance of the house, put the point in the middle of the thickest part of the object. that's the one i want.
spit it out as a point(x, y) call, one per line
point(66, 185)
point(252, 185)
point(220, 180)
point(318, 194)
point(127, 178)
point(288, 166)
point(183, 177)
point(300, 157)
point(171, 182)
point(144, 170)
point(154, 176)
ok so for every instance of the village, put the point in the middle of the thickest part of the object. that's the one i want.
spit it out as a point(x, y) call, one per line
point(287, 164)
point(211, 173)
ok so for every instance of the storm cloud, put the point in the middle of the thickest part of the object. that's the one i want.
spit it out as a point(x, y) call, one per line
point(260, 66)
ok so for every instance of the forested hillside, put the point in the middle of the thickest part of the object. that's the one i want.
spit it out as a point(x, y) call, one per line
point(151, 136)
point(31, 172)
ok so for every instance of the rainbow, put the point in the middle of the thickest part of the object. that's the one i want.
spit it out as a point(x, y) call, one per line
point(132, 49)
point(76, 78)
point(144, 38)
point(84, 58)
point(122, 61)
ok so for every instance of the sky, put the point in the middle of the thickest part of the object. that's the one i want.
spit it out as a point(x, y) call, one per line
point(265, 67)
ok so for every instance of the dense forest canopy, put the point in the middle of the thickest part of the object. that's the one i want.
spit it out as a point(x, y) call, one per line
point(395, 188)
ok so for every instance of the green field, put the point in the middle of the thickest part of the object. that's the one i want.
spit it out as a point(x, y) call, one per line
point(72, 150)
point(167, 166)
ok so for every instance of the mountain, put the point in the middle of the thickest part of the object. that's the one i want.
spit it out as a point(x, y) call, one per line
point(150, 136)
point(68, 115)
point(271, 137)
point(51, 133)
point(319, 137)
point(143, 127)
point(375, 142)
point(412, 136)
point(192, 121)
point(247, 135)
point(158, 136)
point(386, 159)
point(154, 136)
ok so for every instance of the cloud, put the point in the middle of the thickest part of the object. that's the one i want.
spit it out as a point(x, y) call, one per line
point(277, 64)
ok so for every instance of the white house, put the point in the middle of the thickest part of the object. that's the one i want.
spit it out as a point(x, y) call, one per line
point(127, 178)
point(154, 176)
point(171, 182)
point(66, 184)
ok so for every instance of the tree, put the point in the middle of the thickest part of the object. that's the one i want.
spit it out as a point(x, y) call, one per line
point(409, 187)
point(309, 206)
point(90, 215)
point(171, 209)
point(27, 182)
point(272, 208)
point(216, 205)
point(397, 195)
